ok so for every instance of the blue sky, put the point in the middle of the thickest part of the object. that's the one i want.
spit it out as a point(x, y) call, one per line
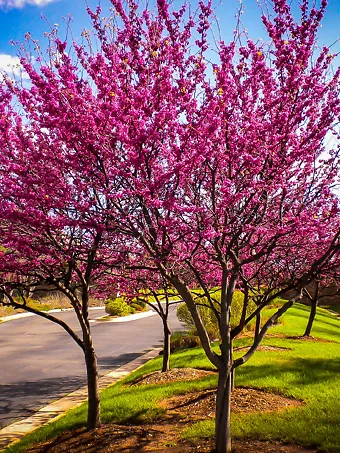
point(20, 16)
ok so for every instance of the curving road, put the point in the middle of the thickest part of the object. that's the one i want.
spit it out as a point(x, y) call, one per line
point(39, 361)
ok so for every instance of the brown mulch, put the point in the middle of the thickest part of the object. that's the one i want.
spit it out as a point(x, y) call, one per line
point(253, 446)
point(202, 404)
point(160, 438)
point(163, 436)
point(265, 348)
point(173, 375)
point(309, 338)
point(298, 337)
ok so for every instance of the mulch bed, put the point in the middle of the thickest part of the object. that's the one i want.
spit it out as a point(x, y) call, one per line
point(202, 404)
point(146, 439)
point(163, 436)
point(309, 338)
point(174, 375)
point(265, 348)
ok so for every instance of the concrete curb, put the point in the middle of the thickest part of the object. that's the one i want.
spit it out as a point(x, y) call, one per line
point(143, 314)
point(56, 310)
point(16, 431)
point(61, 310)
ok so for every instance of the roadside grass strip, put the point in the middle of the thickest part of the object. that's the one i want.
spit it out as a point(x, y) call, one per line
point(309, 370)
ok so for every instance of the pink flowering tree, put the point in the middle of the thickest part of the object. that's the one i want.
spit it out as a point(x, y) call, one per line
point(212, 168)
point(53, 227)
point(220, 176)
point(155, 291)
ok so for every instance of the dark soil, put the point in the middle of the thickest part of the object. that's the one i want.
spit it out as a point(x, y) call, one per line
point(265, 348)
point(146, 439)
point(202, 404)
point(176, 374)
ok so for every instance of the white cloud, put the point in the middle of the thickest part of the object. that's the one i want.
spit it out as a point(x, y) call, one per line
point(21, 3)
point(11, 65)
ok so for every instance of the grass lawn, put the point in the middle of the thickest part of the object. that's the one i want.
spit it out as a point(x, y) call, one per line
point(308, 371)
point(335, 308)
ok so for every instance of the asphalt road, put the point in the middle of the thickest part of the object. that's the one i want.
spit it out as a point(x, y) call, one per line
point(39, 361)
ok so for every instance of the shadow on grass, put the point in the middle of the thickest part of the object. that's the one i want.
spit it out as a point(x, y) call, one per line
point(331, 320)
point(304, 371)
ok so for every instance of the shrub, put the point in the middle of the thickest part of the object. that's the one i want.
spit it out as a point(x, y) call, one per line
point(171, 293)
point(207, 315)
point(182, 340)
point(135, 307)
point(184, 316)
point(138, 304)
point(118, 307)
point(277, 303)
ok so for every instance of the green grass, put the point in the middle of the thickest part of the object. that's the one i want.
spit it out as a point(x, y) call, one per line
point(326, 325)
point(308, 371)
point(335, 308)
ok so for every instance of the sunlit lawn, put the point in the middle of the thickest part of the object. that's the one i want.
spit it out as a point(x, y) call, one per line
point(308, 371)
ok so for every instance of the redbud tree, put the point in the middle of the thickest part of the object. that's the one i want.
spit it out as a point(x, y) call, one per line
point(143, 281)
point(53, 228)
point(209, 156)
point(224, 172)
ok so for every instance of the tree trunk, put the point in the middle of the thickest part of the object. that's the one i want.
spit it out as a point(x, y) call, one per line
point(93, 415)
point(166, 350)
point(312, 314)
point(222, 422)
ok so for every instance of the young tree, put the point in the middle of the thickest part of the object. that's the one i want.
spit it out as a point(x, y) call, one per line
point(159, 296)
point(162, 306)
point(52, 231)
point(314, 301)
point(244, 172)
point(140, 280)
point(323, 287)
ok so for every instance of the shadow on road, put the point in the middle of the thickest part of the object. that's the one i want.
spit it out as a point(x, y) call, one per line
point(22, 399)
point(108, 363)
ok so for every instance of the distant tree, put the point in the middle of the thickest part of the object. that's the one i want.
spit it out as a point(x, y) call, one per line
point(322, 288)
point(160, 301)
point(314, 301)
point(140, 281)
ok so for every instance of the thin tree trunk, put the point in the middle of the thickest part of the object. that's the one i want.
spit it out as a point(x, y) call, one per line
point(166, 350)
point(225, 366)
point(222, 423)
point(93, 416)
point(312, 314)
point(314, 303)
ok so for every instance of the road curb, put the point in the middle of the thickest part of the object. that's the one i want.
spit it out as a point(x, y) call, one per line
point(143, 314)
point(133, 317)
point(55, 310)
point(16, 431)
